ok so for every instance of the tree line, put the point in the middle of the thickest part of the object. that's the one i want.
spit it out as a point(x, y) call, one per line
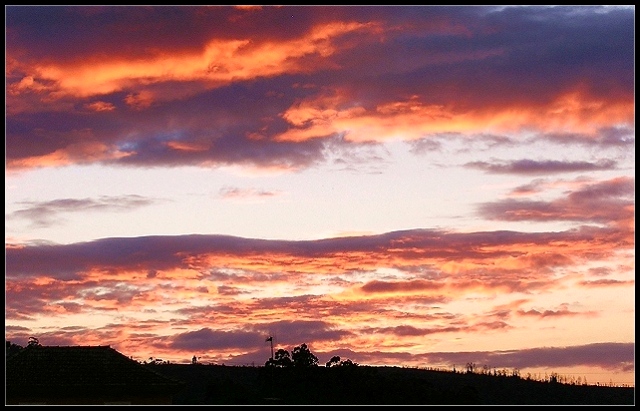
point(302, 357)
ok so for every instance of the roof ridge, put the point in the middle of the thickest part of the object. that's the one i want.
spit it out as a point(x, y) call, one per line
point(84, 365)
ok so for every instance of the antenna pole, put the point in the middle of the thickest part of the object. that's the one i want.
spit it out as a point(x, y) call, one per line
point(270, 339)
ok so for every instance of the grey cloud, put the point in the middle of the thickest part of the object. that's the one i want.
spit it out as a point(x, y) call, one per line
point(45, 213)
point(527, 167)
point(605, 202)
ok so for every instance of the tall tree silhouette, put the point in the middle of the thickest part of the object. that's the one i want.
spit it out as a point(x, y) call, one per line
point(281, 359)
point(303, 357)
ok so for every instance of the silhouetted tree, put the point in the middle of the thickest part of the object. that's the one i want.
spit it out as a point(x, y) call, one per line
point(281, 359)
point(156, 361)
point(348, 363)
point(33, 342)
point(334, 361)
point(12, 349)
point(303, 357)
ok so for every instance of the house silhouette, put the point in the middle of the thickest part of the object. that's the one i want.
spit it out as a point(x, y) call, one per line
point(83, 375)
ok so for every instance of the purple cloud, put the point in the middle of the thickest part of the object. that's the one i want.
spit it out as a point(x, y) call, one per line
point(542, 167)
point(607, 355)
point(466, 58)
point(605, 202)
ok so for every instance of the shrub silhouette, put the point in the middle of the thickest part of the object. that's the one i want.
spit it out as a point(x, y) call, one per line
point(336, 362)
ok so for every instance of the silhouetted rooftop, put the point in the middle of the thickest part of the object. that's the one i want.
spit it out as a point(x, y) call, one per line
point(84, 369)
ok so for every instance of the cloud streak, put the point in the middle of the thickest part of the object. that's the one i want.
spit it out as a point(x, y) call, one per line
point(542, 167)
point(228, 193)
point(606, 202)
point(46, 213)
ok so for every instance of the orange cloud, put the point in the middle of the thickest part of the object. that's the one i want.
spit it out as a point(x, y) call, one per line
point(412, 119)
point(188, 146)
point(140, 100)
point(220, 62)
point(27, 83)
point(78, 153)
point(100, 106)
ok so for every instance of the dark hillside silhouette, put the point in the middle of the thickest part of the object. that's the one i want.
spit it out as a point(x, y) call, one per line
point(100, 375)
point(366, 385)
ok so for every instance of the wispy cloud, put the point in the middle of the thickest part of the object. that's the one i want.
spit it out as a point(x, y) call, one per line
point(607, 202)
point(562, 312)
point(607, 282)
point(228, 193)
point(46, 213)
point(542, 167)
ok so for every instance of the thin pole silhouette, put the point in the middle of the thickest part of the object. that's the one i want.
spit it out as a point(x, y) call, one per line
point(270, 339)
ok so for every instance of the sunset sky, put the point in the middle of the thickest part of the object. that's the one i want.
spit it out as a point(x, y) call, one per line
point(410, 186)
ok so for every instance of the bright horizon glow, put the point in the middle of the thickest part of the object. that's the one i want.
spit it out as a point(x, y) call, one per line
point(403, 185)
